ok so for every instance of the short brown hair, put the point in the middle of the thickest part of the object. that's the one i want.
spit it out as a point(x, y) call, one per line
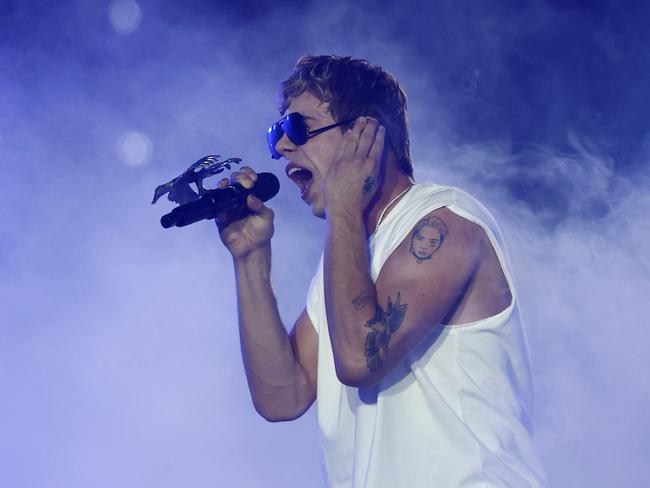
point(352, 88)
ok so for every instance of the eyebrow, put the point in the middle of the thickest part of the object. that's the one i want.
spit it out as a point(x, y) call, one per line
point(306, 117)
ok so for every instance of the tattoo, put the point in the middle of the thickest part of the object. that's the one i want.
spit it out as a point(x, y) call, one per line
point(368, 184)
point(382, 326)
point(427, 238)
point(363, 299)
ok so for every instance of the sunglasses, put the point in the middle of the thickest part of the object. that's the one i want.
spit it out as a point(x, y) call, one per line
point(295, 127)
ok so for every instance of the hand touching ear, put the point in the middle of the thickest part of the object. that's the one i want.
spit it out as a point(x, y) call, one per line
point(351, 181)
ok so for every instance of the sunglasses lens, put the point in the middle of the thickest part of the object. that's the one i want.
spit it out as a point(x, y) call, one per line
point(296, 129)
point(274, 134)
point(294, 126)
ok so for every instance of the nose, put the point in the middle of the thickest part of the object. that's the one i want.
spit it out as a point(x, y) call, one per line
point(284, 145)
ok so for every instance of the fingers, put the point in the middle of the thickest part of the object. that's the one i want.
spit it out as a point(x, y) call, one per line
point(250, 172)
point(361, 138)
point(352, 136)
point(377, 144)
point(256, 206)
point(246, 177)
point(367, 136)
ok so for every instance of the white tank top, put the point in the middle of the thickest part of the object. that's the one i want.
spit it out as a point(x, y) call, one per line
point(457, 411)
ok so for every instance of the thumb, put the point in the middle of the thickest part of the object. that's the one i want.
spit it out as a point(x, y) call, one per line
point(256, 206)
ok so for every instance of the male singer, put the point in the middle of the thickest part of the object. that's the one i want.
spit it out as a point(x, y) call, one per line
point(411, 339)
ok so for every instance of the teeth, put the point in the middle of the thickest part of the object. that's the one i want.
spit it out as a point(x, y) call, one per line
point(293, 170)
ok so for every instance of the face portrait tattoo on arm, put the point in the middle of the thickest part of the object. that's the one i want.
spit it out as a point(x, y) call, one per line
point(382, 326)
point(428, 236)
point(368, 184)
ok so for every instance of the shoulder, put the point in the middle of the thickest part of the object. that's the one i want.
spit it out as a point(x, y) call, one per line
point(439, 235)
point(434, 264)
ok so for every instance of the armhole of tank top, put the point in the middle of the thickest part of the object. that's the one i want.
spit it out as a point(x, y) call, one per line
point(503, 263)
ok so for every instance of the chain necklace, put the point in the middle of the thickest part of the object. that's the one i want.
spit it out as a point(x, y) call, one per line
point(381, 215)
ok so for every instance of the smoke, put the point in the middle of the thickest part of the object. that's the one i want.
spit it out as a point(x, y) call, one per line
point(119, 355)
point(581, 281)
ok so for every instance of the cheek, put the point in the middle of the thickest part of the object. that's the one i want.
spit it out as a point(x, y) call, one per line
point(324, 149)
point(319, 160)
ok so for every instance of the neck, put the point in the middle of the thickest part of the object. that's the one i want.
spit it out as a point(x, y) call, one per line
point(395, 182)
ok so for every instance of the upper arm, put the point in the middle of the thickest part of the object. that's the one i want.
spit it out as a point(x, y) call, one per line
point(304, 341)
point(418, 286)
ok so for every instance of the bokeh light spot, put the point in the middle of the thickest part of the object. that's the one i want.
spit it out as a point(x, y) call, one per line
point(134, 148)
point(125, 16)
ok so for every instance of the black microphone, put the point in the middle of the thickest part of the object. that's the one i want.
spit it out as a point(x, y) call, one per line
point(216, 201)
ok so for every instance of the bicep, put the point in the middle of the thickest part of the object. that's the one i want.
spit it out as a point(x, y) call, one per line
point(304, 341)
point(420, 283)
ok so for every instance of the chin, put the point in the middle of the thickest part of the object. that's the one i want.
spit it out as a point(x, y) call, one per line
point(318, 212)
point(317, 208)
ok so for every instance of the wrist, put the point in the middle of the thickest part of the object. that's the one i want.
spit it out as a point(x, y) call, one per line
point(258, 259)
point(346, 214)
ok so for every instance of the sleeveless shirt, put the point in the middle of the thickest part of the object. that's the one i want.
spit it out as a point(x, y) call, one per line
point(456, 412)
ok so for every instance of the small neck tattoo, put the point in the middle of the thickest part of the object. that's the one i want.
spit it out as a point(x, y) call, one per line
point(381, 215)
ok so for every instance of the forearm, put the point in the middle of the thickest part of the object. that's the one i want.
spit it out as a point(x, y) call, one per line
point(277, 383)
point(350, 294)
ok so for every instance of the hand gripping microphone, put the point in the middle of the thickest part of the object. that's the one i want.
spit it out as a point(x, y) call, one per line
point(213, 202)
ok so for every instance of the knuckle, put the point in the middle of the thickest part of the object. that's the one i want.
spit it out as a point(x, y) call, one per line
point(239, 177)
point(248, 171)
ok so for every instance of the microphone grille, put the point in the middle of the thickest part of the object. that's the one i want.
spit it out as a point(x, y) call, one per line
point(266, 186)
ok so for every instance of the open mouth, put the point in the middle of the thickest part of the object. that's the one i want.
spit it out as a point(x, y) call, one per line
point(301, 177)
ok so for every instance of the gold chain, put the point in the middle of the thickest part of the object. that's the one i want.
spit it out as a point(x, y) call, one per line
point(381, 215)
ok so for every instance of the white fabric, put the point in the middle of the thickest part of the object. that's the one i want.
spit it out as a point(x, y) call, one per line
point(456, 412)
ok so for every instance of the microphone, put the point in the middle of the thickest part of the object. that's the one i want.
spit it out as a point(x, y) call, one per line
point(213, 202)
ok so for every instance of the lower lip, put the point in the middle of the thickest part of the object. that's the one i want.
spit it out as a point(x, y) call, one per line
point(304, 193)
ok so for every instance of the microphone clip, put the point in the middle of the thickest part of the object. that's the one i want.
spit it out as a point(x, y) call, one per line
point(179, 189)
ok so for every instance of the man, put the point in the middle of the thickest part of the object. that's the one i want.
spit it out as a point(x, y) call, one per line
point(411, 339)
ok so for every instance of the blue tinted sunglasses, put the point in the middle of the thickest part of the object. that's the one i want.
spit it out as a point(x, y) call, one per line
point(295, 127)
